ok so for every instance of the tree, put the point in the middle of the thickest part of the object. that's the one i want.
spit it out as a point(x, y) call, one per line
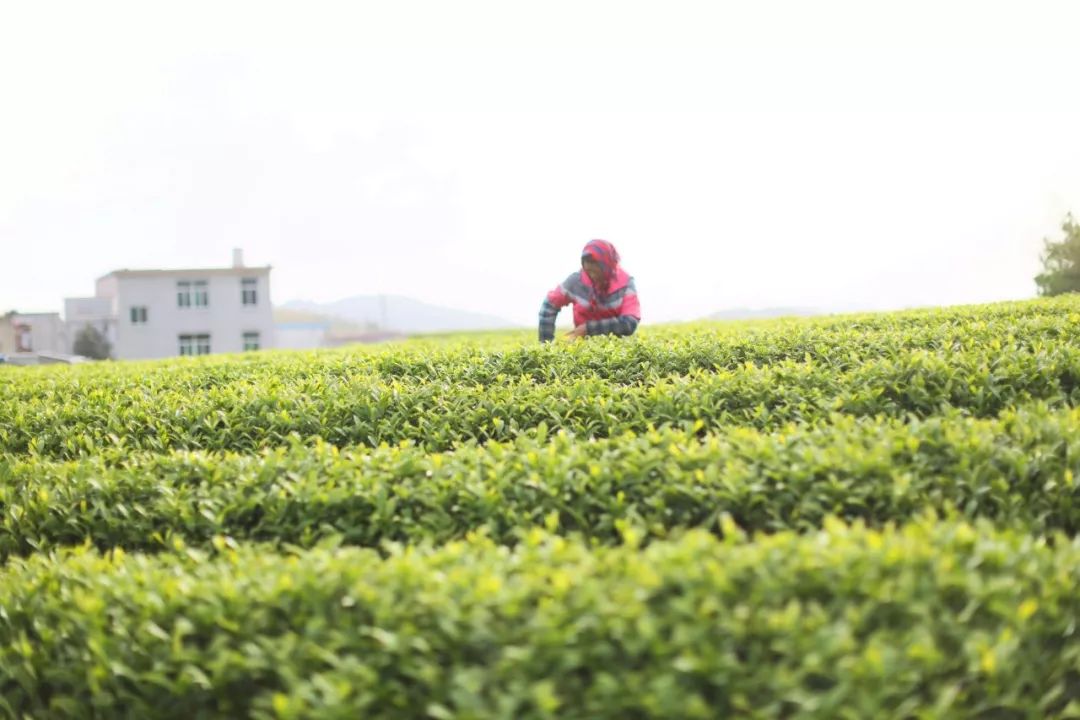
point(92, 344)
point(1061, 262)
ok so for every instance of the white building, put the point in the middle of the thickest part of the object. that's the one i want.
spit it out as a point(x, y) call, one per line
point(165, 313)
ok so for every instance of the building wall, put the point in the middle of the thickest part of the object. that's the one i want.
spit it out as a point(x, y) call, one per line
point(46, 332)
point(7, 334)
point(107, 287)
point(225, 318)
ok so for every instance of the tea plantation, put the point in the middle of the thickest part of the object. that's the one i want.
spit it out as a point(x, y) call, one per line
point(860, 516)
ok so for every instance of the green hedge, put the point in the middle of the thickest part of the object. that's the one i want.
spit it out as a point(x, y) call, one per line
point(934, 620)
point(265, 407)
point(1018, 469)
point(294, 504)
point(842, 342)
point(979, 359)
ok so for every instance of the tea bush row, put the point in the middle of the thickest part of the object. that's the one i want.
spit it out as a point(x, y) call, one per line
point(1019, 470)
point(933, 619)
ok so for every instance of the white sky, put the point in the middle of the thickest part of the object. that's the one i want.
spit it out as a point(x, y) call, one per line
point(830, 154)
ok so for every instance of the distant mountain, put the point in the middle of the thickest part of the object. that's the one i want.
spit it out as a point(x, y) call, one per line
point(394, 312)
point(760, 313)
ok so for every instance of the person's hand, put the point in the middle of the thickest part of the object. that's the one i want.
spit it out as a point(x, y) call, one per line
point(577, 333)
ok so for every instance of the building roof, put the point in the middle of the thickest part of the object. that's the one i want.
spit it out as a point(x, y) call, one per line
point(95, 299)
point(193, 272)
point(15, 314)
point(41, 358)
point(302, 325)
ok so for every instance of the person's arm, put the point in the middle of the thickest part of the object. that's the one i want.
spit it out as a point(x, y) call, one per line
point(549, 310)
point(627, 320)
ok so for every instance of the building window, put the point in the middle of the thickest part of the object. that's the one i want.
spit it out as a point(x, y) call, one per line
point(202, 295)
point(138, 315)
point(247, 292)
point(183, 294)
point(251, 341)
point(23, 339)
point(195, 344)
